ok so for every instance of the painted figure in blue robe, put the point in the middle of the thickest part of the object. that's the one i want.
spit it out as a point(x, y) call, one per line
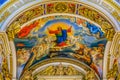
point(94, 29)
point(61, 35)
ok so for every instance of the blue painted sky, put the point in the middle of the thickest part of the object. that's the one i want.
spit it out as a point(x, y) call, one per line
point(2, 2)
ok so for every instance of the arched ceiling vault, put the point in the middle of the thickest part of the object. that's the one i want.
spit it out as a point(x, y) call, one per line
point(27, 24)
point(113, 22)
point(8, 8)
point(22, 3)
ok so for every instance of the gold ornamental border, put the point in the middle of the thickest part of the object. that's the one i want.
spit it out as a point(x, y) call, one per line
point(116, 6)
point(107, 30)
point(52, 1)
point(7, 50)
point(4, 9)
point(62, 1)
point(9, 3)
point(113, 4)
point(4, 39)
point(52, 60)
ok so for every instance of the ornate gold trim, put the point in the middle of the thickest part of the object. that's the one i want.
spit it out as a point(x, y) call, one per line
point(11, 2)
point(113, 55)
point(60, 68)
point(113, 4)
point(7, 51)
point(109, 2)
point(100, 18)
point(116, 15)
point(6, 13)
point(11, 64)
point(68, 60)
point(4, 16)
point(3, 37)
point(115, 44)
point(52, 60)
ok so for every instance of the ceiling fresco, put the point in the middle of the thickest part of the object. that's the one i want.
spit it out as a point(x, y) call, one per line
point(61, 36)
point(58, 38)
point(67, 7)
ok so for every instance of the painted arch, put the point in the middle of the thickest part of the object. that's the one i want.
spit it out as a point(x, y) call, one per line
point(66, 36)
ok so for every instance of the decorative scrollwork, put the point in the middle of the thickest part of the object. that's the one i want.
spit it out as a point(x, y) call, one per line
point(61, 7)
point(59, 70)
point(67, 7)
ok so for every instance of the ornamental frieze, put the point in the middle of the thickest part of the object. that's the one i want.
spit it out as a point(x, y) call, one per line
point(70, 8)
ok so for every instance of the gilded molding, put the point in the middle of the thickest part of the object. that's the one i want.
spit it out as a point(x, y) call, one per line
point(107, 6)
point(52, 60)
point(4, 39)
point(5, 7)
point(116, 15)
point(11, 64)
point(4, 16)
point(113, 4)
point(7, 53)
point(115, 44)
point(12, 30)
point(11, 2)
point(80, 9)
point(113, 56)
point(60, 70)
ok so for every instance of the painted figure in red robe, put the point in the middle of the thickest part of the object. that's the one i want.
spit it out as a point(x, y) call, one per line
point(26, 30)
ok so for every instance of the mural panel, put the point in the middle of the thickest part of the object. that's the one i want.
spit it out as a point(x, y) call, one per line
point(65, 7)
point(62, 37)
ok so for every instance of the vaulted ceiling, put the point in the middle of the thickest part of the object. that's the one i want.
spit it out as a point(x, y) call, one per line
point(46, 39)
